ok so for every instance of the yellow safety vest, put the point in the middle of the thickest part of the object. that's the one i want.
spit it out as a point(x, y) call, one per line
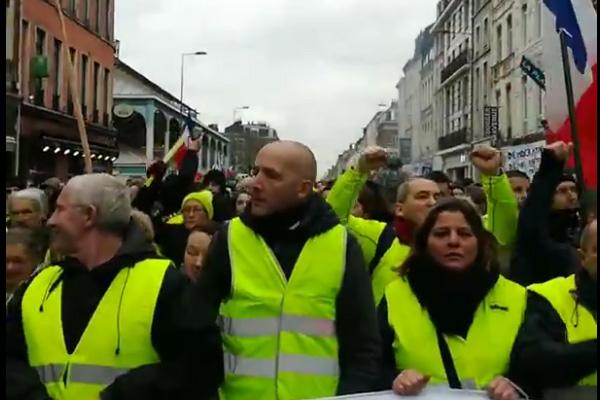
point(479, 358)
point(279, 335)
point(386, 270)
point(108, 348)
point(581, 325)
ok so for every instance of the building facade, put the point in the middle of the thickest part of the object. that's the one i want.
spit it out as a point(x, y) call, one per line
point(246, 139)
point(149, 120)
point(13, 97)
point(49, 141)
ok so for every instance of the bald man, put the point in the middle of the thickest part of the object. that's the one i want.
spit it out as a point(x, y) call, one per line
point(291, 289)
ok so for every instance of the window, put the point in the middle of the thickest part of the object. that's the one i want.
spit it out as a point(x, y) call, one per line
point(485, 82)
point(486, 32)
point(96, 83)
point(107, 94)
point(83, 81)
point(73, 7)
point(499, 43)
point(107, 20)
point(40, 42)
point(477, 88)
point(524, 23)
point(525, 105)
point(477, 38)
point(509, 34)
point(508, 112)
point(539, 20)
point(57, 67)
point(465, 92)
point(86, 12)
point(98, 8)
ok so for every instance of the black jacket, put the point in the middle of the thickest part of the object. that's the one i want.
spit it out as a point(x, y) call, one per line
point(359, 345)
point(543, 249)
point(541, 357)
point(191, 356)
point(172, 239)
point(164, 197)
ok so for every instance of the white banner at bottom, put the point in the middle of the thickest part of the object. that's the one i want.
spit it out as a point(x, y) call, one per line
point(429, 393)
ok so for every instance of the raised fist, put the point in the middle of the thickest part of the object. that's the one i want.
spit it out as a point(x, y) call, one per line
point(486, 159)
point(561, 150)
point(372, 158)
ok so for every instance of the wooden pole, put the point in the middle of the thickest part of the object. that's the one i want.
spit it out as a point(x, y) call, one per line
point(74, 94)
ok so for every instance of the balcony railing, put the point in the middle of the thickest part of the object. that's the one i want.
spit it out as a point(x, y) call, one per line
point(455, 65)
point(504, 67)
point(453, 139)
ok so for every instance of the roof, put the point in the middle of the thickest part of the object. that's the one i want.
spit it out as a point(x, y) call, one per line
point(125, 67)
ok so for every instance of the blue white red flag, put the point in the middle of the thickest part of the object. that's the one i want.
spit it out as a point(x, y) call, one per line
point(577, 19)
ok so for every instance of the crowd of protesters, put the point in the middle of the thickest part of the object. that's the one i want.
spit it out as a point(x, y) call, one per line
point(282, 287)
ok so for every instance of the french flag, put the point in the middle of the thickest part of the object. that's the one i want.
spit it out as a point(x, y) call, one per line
point(182, 142)
point(577, 18)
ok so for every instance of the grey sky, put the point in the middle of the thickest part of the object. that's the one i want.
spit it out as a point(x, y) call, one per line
point(316, 70)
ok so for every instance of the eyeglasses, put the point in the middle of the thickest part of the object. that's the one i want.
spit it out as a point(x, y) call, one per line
point(193, 210)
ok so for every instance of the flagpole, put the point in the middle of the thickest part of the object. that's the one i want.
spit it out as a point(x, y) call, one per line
point(572, 115)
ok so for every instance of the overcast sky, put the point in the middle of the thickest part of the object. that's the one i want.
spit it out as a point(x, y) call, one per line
point(315, 70)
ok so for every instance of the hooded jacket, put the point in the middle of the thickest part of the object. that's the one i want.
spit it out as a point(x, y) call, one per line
point(191, 356)
point(285, 234)
point(545, 243)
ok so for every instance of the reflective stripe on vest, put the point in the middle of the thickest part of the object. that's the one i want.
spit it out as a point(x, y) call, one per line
point(580, 323)
point(249, 327)
point(480, 357)
point(279, 334)
point(94, 364)
point(286, 363)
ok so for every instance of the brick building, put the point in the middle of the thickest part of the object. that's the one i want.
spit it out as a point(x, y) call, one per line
point(13, 99)
point(49, 139)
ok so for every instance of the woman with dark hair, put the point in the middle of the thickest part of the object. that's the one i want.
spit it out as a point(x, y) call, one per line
point(450, 318)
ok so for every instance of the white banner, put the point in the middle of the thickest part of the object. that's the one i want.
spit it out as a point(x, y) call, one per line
point(525, 157)
point(429, 393)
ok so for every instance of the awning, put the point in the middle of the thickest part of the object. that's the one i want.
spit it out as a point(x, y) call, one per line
point(74, 148)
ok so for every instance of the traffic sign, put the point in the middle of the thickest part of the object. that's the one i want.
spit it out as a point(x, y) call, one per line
point(532, 71)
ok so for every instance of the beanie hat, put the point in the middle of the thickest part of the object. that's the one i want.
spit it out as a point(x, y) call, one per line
point(565, 177)
point(205, 198)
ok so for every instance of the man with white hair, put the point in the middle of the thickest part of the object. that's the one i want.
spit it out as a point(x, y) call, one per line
point(28, 208)
point(105, 322)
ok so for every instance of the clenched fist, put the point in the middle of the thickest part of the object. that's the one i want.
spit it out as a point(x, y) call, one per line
point(409, 383)
point(486, 159)
point(561, 150)
point(371, 159)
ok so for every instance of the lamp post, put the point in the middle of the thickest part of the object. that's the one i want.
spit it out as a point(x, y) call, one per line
point(235, 110)
point(183, 55)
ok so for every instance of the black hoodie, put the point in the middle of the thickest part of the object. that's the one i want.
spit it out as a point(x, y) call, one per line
point(191, 356)
point(544, 248)
point(286, 233)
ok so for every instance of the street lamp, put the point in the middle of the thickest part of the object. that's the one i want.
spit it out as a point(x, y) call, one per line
point(235, 110)
point(196, 53)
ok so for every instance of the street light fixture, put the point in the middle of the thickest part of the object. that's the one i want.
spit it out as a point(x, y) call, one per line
point(183, 55)
point(235, 110)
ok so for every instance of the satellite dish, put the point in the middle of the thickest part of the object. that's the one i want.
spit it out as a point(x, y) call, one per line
point(123, 110)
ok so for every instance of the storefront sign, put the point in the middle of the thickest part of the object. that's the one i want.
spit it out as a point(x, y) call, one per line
point(525, 158)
